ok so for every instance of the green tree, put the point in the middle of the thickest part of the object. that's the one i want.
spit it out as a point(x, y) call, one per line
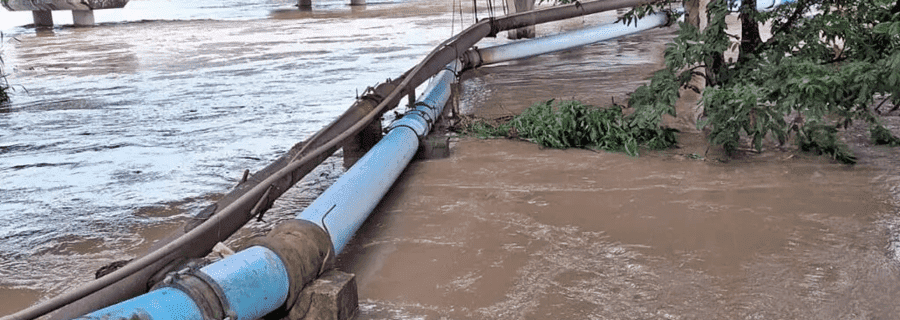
point(826, 64)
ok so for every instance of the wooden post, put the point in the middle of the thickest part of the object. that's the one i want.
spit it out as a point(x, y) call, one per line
point(516, 6)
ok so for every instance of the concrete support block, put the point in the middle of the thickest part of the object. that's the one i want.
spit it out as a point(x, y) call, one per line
point(357, 2)
point(332, 296)
point(305, 3)
point(83, 17)
point(434, 146)
point(357, 146)
point(42, 18)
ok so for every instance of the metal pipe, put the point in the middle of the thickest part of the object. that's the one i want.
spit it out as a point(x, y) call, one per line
point(261, 286)
point(527, 48)
point(344, 206)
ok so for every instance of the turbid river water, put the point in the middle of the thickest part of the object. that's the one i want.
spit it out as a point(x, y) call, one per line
point(119, 132)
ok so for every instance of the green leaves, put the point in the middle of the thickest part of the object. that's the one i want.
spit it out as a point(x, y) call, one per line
point(571, 124)
point(826, 62)
point(822, 139)
point(882, 136)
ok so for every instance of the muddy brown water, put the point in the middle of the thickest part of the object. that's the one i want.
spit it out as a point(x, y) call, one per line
point(501, 229)
point(506, 230)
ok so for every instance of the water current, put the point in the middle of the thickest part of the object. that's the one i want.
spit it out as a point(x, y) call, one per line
point(119, 132)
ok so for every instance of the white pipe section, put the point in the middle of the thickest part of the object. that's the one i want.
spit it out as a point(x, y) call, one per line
point(527, 48)
point(344, 206)
point(761, 5)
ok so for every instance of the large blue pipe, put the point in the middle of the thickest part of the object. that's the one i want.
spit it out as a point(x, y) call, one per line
point(255, 281)
point(249, 285)
point(342, 208)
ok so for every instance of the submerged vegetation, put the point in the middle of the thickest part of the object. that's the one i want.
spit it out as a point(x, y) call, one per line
point(824, 67)
point(572, 124)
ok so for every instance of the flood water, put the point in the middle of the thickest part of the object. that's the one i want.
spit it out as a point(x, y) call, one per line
point(129, 127)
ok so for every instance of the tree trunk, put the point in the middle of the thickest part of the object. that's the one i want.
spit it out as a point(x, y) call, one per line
point(750, 38)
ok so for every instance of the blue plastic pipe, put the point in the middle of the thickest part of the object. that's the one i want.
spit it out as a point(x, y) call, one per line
point(343, 207)
point(255, 281)
point(162, 304)
point(252, 283)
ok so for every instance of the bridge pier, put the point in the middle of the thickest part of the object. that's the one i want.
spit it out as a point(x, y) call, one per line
point(83, 17)
point(42, 18)
point(82, 10)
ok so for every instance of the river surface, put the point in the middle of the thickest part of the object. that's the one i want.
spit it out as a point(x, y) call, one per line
point(119, 132)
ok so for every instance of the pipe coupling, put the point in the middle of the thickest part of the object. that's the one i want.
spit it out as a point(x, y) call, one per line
point(471, 59)
point(304, 248)
point(203, 290)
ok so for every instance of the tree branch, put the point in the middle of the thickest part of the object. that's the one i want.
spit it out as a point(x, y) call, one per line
point(794, 16)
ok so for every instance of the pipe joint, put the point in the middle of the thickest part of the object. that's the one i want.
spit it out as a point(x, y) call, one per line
point(306, 250)
point(471, 59)
point(203, 290)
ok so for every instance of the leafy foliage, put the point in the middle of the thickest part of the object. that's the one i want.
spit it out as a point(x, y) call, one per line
point(821, 139)
point(882, 136)
point(802, 72)
point(571, 124)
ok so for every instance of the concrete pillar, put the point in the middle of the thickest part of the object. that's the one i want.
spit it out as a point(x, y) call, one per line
point(83, 17)
point(357, 146)
point(516, 6)
point(42, 18)
point(305, 3)
point(357, 2)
